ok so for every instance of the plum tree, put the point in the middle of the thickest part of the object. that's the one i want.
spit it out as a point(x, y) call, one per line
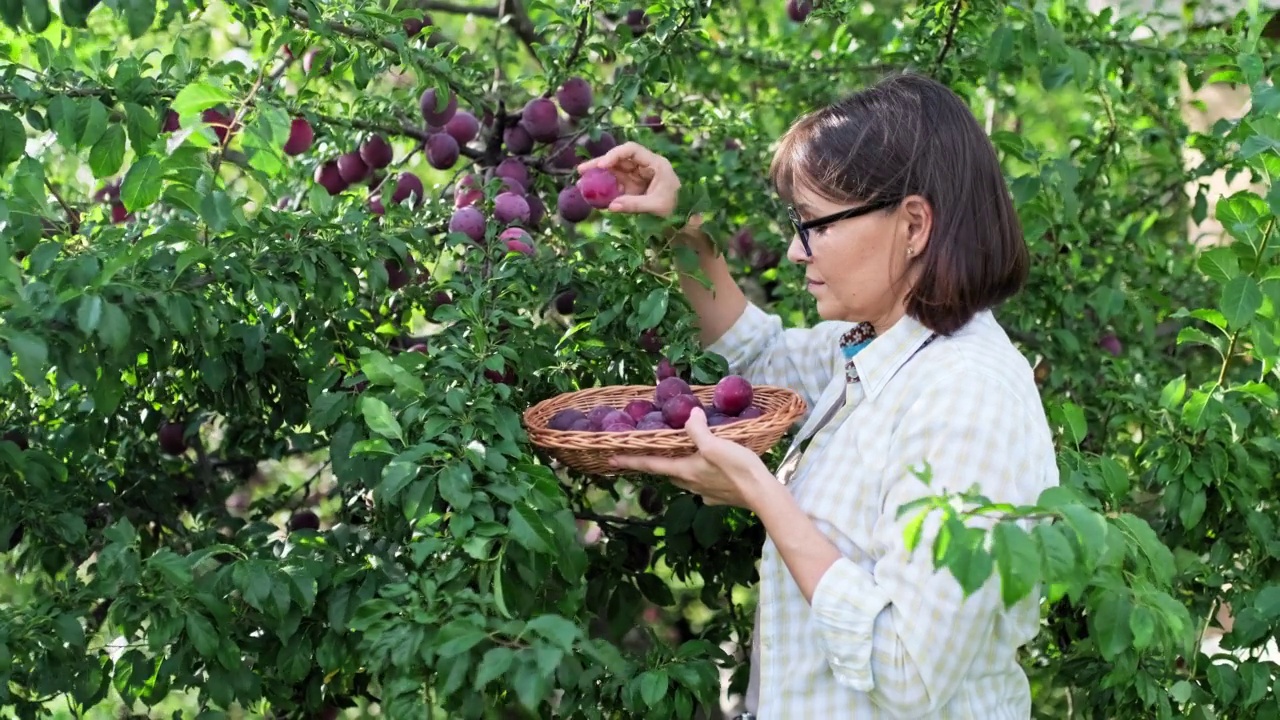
point(303, 520)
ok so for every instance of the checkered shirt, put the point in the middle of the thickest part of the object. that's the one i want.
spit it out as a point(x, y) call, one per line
point(886, 635)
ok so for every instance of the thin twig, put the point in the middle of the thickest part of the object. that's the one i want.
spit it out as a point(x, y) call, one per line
point(73, 217)
point(613, 519)
point(951, 34)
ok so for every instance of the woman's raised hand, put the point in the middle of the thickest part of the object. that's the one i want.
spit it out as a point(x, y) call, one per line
point(649, 184)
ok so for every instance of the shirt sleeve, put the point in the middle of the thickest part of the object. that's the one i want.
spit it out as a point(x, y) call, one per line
point(800, 359)
point(903, 633)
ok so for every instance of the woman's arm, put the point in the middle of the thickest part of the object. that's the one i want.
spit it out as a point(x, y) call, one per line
point(753, 342)
point(903, 632)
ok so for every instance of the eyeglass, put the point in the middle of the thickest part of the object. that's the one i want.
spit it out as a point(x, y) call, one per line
point(803, 228)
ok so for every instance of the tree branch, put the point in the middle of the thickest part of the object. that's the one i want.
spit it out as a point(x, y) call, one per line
point(303, 18)
point(490, 11)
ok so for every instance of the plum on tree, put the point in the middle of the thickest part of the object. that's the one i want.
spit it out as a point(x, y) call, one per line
point(537, 210)
point(541, 119)
point(375, 205)
point(601, 145)
point(300, 137)
point(798, 10)
point(467, 191)
point(572, 206)
point(564, 302)
point(171, 122)
point(442, 151)
point(303, 520)
point(650, 342)
point(413, 26)
point(518, 240)
point(650, 499)
point(1111, 344)
point(397, 275)
point(463, 127)
point(407, 185)
point(509, 207)
point(352, 168)
point(328, 177)
point(517, 140)
point(575, 97)
point(221, 124)
point(309, 62)
point(469, 221)
point(433, 111)
point(376, 152)
point(513, 169)
point(171, 438)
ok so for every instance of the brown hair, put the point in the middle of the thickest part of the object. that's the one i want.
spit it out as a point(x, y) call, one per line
point(911, 135)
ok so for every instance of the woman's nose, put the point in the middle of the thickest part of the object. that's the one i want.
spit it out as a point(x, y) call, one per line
point(795, 251)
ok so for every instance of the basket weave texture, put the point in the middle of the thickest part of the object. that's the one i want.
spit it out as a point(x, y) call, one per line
point(589, 452)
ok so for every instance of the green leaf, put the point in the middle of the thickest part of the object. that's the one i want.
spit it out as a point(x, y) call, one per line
point(494, 665)
point(93, 121)
point(139, 14)
point(653, 686)
point(198, 97)
point(1192, 508)
point(1090, 530)
point(1057, 557)
point(557, 629)
point(1241, 299)
point(1017, 560)
point(114, 327)
point(32, 354)
point(202, 634)
point(172, 566)
point(1173, 393)
point(13, 139)
point(38, 15)
point(1115, 477)
point(528, 529)
point(107, 154)
point(1220, 263)
point(11, 12)
point(1143, 625)
point(1075, 422)
point(652, 309)
point(455, 485)
point(379, 418)
point(142, 184)
point(89, 314)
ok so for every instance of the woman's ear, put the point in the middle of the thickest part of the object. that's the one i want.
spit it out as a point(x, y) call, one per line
point(917, 213)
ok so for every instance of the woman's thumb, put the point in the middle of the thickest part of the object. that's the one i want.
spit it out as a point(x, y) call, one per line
point(696, 427)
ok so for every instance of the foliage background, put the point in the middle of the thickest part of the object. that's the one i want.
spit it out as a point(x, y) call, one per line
point(456, 574)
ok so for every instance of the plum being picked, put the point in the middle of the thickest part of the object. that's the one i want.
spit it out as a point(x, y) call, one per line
point(733, 394)
point(565, 418)
point(599, 187)
point(676, 410)
point(670, 388)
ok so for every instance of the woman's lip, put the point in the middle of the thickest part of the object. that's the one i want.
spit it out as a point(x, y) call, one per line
point(815, 282)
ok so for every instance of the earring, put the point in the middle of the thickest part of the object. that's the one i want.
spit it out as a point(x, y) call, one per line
point(910, 252)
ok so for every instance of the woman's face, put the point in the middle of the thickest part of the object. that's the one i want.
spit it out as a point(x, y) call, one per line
point(862, 267)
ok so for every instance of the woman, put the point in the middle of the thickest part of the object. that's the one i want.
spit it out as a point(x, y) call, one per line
point(908, 238)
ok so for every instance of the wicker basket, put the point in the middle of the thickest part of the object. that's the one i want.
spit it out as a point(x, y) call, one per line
point(589, 452)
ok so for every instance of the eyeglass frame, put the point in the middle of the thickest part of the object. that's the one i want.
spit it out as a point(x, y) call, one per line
point(803, 228)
